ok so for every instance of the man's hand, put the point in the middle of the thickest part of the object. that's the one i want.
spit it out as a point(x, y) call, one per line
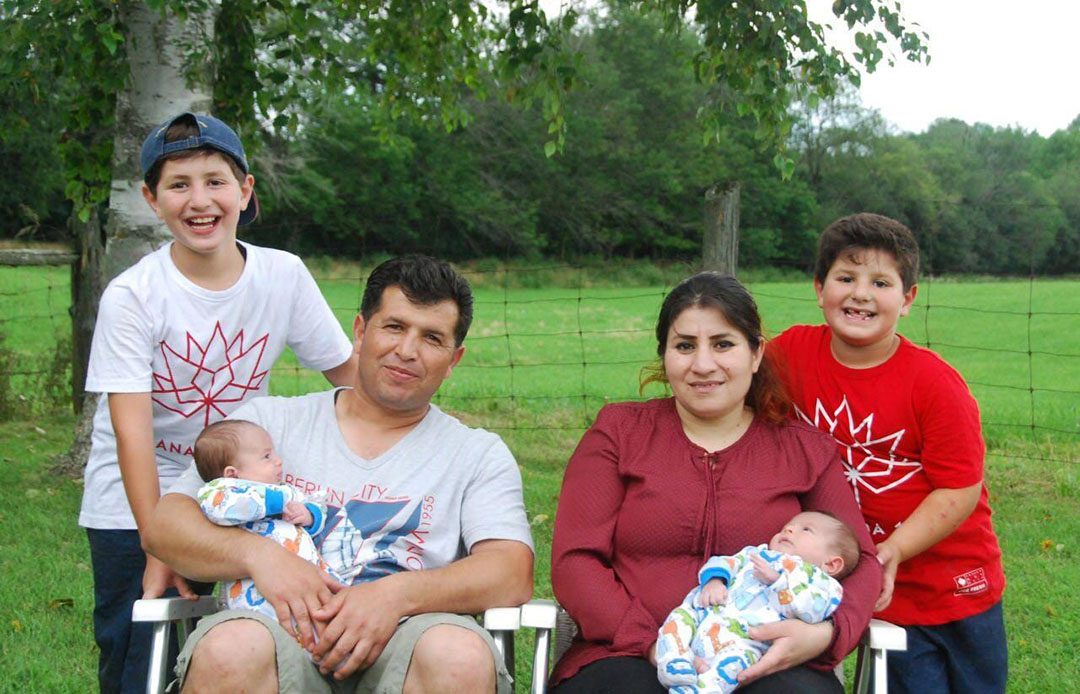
point(794, 643)
point(889, 558)
point(763, 571)
point(714, 592)
point(158, 577)
point(361, 619)
point(297, 514)
point(294, 587)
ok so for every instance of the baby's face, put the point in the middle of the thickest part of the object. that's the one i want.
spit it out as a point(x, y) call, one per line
point(808, 535)
point(256, 459)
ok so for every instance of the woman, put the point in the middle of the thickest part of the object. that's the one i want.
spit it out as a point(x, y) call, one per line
point(655, 488)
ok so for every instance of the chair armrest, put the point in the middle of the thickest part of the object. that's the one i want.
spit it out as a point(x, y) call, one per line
point(502, 622)
point(173, 609)
point(886, 636)
point(163, 612)
point(872, 658)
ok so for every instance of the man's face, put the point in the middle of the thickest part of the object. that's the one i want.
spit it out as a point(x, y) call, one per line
point(406, 351)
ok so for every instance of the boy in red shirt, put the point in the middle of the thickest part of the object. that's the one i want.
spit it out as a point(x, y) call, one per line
point(909, 434)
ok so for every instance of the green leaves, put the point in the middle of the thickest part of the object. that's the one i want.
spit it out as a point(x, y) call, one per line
point(110, 37)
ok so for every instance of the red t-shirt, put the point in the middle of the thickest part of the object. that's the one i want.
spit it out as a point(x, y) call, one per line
point(905, 428)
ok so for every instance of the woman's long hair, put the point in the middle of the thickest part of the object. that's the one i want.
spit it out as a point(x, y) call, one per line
point(767, 397)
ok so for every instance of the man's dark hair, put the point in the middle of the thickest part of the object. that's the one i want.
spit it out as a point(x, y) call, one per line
point(866, 231)
point(182, 129)
point(424, 280)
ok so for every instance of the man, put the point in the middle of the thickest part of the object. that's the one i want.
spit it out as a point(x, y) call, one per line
point(427, 521)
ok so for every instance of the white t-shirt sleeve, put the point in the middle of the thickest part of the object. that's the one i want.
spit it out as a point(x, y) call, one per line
point(121, 352)
point(315, 334)
point(493, 507)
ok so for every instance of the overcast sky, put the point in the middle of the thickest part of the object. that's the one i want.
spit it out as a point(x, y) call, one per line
point(1000, 62)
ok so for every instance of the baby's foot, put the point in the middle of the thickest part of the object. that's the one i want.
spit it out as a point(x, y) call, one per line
point(684, 689)
point(673, 672)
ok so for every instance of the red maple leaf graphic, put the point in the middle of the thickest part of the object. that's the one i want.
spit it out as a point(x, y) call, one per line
point(863, 467)
point(203, 380)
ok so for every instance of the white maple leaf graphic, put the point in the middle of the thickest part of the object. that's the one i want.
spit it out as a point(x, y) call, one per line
point(202, 380)
point(863, 469)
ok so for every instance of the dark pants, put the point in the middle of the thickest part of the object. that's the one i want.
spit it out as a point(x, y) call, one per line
point(638, 676)
point(118, 563)
point(968, 655)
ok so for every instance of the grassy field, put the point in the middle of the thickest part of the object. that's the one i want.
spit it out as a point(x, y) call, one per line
point(548, 347)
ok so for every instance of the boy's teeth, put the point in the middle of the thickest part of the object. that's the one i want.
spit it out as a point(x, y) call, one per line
point(202, 220)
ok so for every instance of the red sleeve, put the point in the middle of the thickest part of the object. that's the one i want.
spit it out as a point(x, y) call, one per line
point(583, 541)
point(953, 450)
point(833, 494)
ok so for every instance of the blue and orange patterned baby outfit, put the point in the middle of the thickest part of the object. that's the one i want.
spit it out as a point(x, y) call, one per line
point(720, 633)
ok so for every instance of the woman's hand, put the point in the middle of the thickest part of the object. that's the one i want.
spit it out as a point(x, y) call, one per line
point(794, 643)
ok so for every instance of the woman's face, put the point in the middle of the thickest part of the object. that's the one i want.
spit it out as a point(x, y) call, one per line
point(709, 363)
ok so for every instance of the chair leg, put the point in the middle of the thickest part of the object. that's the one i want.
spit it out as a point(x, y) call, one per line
point(540, 661)
point(862, 670)
point(504, 642)
point(159, 656)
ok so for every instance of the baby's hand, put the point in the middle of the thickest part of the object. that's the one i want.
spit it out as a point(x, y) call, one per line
point(297, 513)
point(714, 592)
point(763, 571)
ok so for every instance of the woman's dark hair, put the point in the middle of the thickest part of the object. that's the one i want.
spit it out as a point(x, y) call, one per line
point(767, 396)
point(425, 281)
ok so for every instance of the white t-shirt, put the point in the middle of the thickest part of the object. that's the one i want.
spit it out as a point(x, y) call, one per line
point(420, 505)
point(199, 353)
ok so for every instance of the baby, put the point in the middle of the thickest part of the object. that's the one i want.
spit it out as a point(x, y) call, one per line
point(795, 576)
point(245, 489)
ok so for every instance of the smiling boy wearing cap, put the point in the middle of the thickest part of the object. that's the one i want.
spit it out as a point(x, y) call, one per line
point(183, 338)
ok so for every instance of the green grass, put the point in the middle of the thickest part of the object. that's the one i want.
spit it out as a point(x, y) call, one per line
point(564, 341)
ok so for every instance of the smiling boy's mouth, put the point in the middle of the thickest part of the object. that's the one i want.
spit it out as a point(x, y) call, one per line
point(859, 314)
point(201, 223)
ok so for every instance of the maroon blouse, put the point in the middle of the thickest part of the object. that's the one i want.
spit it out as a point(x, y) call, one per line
point(642, 508)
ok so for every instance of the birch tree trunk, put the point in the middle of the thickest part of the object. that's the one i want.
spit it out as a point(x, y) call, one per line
point(157, 89)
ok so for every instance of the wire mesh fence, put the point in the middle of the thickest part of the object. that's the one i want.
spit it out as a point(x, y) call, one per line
point(553, 341)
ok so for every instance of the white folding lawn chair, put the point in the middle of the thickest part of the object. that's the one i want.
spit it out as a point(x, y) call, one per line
point(164, 613)
point(555, 629)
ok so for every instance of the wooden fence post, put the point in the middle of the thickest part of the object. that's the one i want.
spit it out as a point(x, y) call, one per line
point(720, 245)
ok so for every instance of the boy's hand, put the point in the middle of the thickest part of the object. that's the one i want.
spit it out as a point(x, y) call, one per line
point(763, 571)
point(297, 514)
point(889, 558)
point(714, 592)
point(158, 577)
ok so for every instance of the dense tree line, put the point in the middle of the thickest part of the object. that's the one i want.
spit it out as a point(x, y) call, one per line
point(352, 180)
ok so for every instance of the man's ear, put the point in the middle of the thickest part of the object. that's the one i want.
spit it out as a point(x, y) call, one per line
point(459, 352)
point(230, 471)
point(833, 565)
point(358, 326)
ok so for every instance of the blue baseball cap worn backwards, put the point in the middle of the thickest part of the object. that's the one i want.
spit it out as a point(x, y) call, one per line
point(213, 134)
